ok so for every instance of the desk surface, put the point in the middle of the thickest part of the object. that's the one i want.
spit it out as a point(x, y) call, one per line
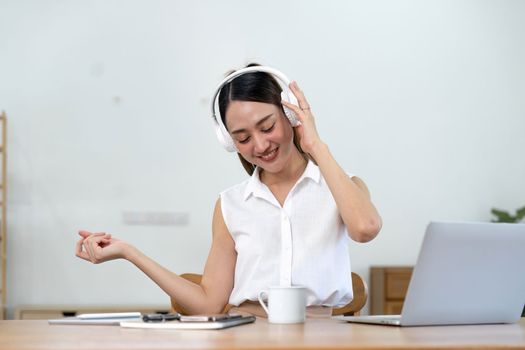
point(314, 334)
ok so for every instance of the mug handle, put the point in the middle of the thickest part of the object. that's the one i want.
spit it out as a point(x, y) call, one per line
point(261, 301)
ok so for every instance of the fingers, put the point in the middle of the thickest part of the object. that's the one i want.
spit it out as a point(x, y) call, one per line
point(88, 247)
point(79, 252)
point(301, 99)
point(308, 135)
point(86, 251)
point(298, 111)
point(93, 245)
point(85, 234)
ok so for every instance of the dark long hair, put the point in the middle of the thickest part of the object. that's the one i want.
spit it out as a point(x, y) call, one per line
point(253, 87)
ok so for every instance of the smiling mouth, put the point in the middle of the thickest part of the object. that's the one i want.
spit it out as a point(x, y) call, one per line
point(270, 155)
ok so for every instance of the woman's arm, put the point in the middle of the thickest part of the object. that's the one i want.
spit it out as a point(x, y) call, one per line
point(217, 282)
point(351, 195)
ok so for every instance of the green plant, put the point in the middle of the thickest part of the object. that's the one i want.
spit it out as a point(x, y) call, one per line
point(505, 216)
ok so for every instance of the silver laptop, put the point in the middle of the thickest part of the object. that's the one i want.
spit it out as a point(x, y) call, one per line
point(466, 273)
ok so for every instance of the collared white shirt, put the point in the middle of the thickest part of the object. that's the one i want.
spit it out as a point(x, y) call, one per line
point(304, 242)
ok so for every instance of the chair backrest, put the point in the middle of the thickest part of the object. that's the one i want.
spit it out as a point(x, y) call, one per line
point(359, 300)
point(352, 308)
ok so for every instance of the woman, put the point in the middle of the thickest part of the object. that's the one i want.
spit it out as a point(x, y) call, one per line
point(289, 223)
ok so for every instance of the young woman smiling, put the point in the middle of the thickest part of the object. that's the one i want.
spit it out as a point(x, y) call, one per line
point(289, 223)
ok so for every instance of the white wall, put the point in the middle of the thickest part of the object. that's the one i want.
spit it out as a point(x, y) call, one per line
point(108, 105)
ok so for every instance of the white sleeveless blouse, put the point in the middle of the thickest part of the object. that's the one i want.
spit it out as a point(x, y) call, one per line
point(305, 242)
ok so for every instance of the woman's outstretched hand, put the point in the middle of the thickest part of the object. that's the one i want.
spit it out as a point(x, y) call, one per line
point(307, 131)
point(99, 247)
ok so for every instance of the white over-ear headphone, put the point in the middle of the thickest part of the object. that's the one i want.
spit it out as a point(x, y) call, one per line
point(223, 135)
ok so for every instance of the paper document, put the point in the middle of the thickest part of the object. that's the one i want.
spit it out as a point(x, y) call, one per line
point(109, 315)
point(112, 318)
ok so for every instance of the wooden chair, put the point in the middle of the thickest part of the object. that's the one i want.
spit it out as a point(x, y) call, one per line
point(360, 298)
point(352, 308)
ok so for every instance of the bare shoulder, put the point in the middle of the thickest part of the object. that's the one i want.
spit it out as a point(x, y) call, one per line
point(218, 208)
point(219, 228)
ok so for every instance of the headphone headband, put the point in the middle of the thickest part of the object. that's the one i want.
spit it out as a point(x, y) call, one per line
point(229, 78)
point(222, 134)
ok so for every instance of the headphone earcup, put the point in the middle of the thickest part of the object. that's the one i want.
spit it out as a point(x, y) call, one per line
point(225, 138)
point(289, 97)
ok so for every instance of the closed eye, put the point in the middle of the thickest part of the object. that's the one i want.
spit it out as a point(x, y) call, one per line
point(244, 140)
point(269, 129)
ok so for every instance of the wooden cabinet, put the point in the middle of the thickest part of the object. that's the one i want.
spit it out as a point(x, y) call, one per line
point(3, 212)
point(388, 287)
point(42, 312)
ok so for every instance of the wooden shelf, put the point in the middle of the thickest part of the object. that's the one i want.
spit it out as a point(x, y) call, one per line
point(45, 312)
point(3, 212)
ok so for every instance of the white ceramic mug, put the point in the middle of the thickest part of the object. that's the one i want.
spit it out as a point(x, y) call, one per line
point(286, 304)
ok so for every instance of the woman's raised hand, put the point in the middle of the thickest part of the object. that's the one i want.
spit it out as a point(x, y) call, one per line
point(307, 131)
point(99, 247)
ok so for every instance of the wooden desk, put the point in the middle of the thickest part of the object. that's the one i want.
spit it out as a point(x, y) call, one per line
point(314, 334)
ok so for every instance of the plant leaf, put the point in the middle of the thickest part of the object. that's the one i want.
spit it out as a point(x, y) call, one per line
point(520, 213)
point(502, 216)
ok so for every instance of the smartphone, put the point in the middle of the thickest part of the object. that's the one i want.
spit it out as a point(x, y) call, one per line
point(209, 318)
